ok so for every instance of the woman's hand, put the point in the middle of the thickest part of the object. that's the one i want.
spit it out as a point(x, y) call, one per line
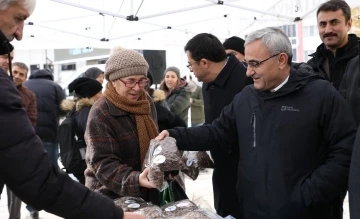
point(130, 215)
point(143, 180)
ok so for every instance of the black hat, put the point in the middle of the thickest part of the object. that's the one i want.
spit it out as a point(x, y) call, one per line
point(85, 87)
point(235, 43)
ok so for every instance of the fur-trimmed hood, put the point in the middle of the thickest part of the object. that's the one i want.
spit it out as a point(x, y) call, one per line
point(158, 95)
point(68, 105)
point(191, 87)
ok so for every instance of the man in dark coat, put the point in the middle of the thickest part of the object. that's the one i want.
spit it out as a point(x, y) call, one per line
point(338, 47)
point(223, 78)
point(294, 146)
point(49, 96)
point(36, 181)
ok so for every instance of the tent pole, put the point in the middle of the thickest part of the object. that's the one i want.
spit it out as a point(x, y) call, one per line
point(68, 18)
point(252, 9)
point(90, 9)
point(135, 34)
point(175, 11)
point(64, 31)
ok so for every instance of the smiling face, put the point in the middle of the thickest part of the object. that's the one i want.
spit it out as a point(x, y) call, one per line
point(19, 75)
point(268, 75)
point(333, 29)
point(127, 92)
point(171, 80)
point(12, 20)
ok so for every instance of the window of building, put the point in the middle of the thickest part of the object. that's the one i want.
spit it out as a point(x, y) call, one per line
point(289, 30)
point(68, 67)
point(294, 52)
point(310, 31)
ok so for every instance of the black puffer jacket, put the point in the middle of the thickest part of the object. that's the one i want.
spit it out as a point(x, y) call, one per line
point(294, 147)
point(48, 98)
point(32, 177)
point(324, 58)
point(350, 85)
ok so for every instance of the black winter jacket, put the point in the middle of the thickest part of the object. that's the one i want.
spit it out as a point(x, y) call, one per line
point(338, 63)
point(165, 118)
point(48, 98)
point(350, 86)
point(32, 177)
point(218, 94)
point(294, 147)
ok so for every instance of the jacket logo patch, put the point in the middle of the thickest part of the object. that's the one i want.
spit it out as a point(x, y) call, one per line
point(289, 108)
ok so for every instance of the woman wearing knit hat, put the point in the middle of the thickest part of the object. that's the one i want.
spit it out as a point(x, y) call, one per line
point(120, 127)
point(87, 91)
point(177, 93)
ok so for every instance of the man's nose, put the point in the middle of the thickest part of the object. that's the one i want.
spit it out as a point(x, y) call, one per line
point(19, 31)
point(249, 71)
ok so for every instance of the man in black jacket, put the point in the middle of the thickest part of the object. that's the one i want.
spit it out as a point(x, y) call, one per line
point(223, 76)
point(32, 177)
point(294, 146)
point(338, 47)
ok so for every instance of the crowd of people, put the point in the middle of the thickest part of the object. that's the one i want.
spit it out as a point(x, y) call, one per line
point(283, 135)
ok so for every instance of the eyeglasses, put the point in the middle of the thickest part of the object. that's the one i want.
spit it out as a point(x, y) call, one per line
point(131, 84)
point(190, 65)
point(256, 64)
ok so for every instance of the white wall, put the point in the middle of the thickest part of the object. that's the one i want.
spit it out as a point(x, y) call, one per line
point(32, 57)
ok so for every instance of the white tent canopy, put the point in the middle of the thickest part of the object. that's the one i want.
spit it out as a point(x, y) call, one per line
point(153, 24)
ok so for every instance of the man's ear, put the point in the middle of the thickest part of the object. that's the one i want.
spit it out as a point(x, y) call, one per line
point(283, 60)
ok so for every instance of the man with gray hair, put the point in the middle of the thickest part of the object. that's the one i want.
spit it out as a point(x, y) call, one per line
point(29, 173)
point(294, 146)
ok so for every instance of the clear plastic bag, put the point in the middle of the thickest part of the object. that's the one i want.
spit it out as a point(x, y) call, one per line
point(195, 161)
point(177, 209)
point(130, 204)
point(200, 214)
point(150, 212)
point(162, 156)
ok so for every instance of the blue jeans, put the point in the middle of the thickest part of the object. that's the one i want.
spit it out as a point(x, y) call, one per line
point(53, 151)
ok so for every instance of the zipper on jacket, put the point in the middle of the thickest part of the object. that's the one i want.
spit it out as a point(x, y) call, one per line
point(253, 122)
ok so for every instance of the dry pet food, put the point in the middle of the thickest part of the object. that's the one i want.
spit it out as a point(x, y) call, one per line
point(150, 212)
point(196, 160)
point(177, 209)
point(130, 204)
point(164, 156)
point(156, 177)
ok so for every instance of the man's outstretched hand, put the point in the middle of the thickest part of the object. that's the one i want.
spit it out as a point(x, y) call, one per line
point(162, 135)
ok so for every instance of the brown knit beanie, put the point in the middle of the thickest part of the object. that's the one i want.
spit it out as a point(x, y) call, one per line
point(123, 63)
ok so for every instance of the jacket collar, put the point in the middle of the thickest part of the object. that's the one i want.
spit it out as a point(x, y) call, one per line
point(225, 72)
point(343, 52)
point(114, 111)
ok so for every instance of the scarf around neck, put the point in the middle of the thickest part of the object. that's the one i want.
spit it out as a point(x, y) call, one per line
point(146, 128)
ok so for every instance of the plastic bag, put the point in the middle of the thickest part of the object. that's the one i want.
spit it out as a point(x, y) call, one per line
point(150, 212)
point(130, 204)
point(162, 156)
point(200, 214)
point(177, 209)
point(196, 160)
